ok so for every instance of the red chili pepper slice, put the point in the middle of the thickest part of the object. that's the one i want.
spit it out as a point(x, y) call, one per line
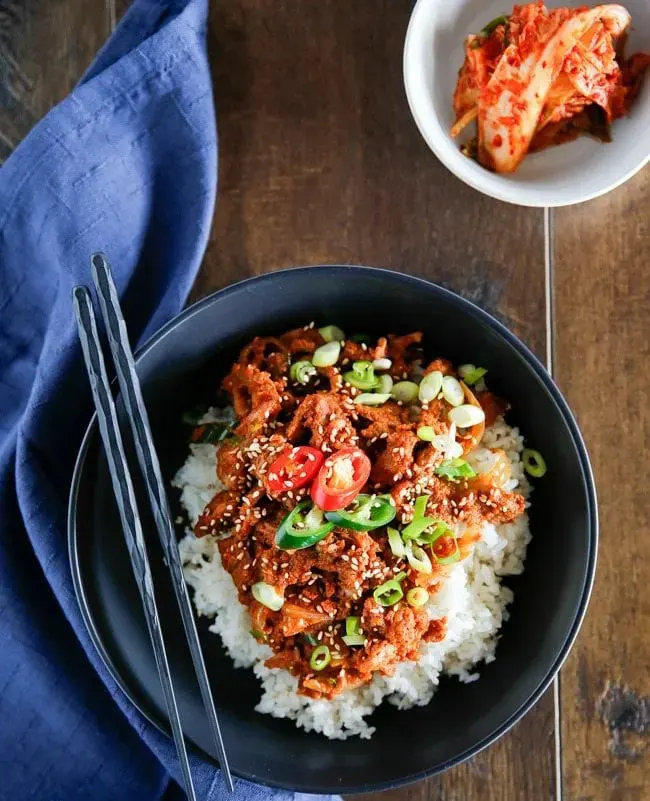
point(340, 479)
point(294, 468)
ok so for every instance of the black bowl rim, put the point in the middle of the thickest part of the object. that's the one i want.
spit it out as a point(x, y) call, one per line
point(466, 306)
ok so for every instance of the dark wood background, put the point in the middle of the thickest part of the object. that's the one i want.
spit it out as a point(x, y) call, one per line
point(321, 162)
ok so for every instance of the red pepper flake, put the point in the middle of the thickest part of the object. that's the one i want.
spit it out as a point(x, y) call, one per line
point(498, 140)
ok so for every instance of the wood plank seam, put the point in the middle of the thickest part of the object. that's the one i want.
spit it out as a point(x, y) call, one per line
point(550, 351)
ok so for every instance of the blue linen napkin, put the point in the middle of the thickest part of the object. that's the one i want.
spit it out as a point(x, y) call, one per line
point(127, 165)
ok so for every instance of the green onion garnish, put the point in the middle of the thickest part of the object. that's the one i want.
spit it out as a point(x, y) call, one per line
point(372, 398)
point(415, 529)
point(405, 391)
point(417, 596)
point(268, 596)
point(431, 535)
point(352, 625)
point(354, 639)
point(455, 470)
point(309, 638)
point(396, 543)
point(320, 658)
point(420, 506)
point(327, 355)
point(466, 415)
point(385, 385)
point(259, 635)
point(332, 333)
point(418, 558)
point(215, 432)
point(534, 463)
point(301, 372)
point(362, 376)
point(390, 592)
point(452, 391)
point(426, 433)
point(430, 386)
point(470, 374)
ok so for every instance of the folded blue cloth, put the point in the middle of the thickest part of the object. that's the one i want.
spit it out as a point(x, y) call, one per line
point(127, 165)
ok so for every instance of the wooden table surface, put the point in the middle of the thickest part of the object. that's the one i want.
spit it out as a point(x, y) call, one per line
point(321, 162)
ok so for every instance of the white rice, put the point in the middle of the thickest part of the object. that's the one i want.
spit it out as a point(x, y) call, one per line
point(472, 599)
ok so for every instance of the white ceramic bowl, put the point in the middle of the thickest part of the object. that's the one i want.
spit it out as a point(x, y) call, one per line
point(559, 176)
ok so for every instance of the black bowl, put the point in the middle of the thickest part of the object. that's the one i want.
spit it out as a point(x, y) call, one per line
point(181, 366)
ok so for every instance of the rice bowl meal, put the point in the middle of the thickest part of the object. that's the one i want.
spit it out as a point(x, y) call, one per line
point(353, 509)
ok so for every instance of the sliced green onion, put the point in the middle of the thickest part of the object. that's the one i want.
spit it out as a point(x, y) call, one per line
point(417, 527)
point(430, 386)
point(215, 432)
point(452, 391)
point(385, 386)
point(431, 535)
point(418, 558)
point(320, 658)
point(405, 391)
point(362, 376)
point(426, 433)
point(259, 635)
point(534, 463)
point(420, 506)
point(448, 560)
point(301, 372)
point(352, 625)
point(327, 355)
point(361, 339)
point(470, 374)
point(382, 364)
point(268, 596)
point(309, 638)
point(417, 597)
point(372, 398)
point(455, 469)
point(466, 415)
point(332, 333)
point(390, 592)
point(354, 639)
point(396, 543)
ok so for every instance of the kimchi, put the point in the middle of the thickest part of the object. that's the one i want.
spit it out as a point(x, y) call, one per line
point(541, 77)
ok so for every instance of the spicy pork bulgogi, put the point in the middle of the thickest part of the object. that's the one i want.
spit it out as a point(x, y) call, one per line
point(348, 497)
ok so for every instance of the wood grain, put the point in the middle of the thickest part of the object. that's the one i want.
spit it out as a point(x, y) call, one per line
point(602, 324)
point(45, 45)
point(321, 162)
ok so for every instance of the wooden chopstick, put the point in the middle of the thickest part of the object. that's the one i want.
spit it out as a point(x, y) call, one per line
point(126, 503)
point(150, 468)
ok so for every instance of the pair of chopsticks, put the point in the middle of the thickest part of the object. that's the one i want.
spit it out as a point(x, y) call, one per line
point(125, 495)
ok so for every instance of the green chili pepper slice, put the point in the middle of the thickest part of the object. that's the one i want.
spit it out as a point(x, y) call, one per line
point(293, 533)
point(367, 513)
point(362, 376)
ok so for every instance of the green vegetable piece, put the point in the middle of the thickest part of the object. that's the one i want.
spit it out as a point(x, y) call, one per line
point(294, 534)
point(366, 513)
point(534, 463)
point(320, 658)
point(390, 592)
point(455, 470)
point(301, 372)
